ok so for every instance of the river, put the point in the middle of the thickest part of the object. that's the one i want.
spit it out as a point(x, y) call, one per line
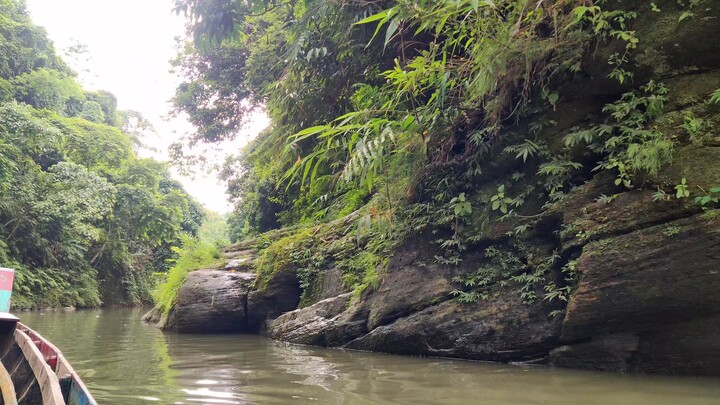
point(125, 362)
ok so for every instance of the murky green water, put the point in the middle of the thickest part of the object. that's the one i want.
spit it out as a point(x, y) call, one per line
point(125, 362)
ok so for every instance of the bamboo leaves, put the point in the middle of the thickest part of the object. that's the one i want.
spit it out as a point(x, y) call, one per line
point(382, 18)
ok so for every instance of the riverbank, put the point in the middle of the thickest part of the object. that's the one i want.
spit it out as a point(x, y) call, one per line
point(124, 361)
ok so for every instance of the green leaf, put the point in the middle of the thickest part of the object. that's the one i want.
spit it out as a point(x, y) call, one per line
point(715, 97)
point(408, 121)
point(686, 15)
point(374, 17)
point(553, 98)
point(309, 131)
point(392, 27)
point(474, 5)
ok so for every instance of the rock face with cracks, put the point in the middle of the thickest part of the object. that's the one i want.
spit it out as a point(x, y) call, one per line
point(211, 301)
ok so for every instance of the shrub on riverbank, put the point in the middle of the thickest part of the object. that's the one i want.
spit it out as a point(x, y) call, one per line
point(194, 254)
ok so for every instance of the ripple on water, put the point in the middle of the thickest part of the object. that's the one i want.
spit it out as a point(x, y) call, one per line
point(124, 361)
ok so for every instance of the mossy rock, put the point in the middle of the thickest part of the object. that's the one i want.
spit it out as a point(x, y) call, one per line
point(661, 274)
point(699, 165)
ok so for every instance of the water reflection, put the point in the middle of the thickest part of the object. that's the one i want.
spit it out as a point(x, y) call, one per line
point(124, 361)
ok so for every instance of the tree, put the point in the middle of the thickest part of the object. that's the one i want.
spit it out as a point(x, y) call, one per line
point(92, 111)
point(49, 89)
point(108, 104)
point(82, 218)
point(24, 46)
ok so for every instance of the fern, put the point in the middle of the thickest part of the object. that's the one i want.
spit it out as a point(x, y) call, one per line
point(715, 97)
point(528, 149)
point(367, 157)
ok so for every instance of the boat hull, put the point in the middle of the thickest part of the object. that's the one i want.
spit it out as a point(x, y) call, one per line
point(38, 372)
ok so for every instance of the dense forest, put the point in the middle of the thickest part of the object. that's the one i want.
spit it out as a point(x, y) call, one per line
point(84, 220)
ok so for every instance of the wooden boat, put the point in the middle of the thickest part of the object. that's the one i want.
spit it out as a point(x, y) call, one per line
point(33, 371)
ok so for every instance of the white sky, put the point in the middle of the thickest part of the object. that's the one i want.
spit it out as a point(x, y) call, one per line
point(129, 45)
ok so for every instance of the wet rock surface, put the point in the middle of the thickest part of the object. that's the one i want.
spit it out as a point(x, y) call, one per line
point(499, 330)
point(664, 273)
point(280, 295)
point(312, 324)
point(211, 301)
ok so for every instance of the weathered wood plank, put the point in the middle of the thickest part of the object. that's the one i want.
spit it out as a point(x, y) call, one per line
point(49, 384)
point(78, 394)
point(6, 387)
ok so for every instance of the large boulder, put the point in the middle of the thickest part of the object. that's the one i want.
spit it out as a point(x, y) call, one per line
point(414, 281)
point(153, 316)
point(280, 294)
point(211, 301)
point(647, 300)
point(683, 348)
point(214, 301)
point(326, 323)
point(662, 274)
point(500, 329)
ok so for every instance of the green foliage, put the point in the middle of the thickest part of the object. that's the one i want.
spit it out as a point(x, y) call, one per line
point(660, 195)
point(611, 24)
point(363, 271)
point(605, 199)
point(108, 107)
point(402, 111)
point(699, 130)
point(710, 197)
point(100, 147)
point(214, 229)
point(692, 125)
point(528, 149)
point(49, 89)
point(715, 97)
point(193, 254)
point(631, 147)
point(6, 90)
point(351, 108)
point(214, 100)
point(461, 206)
point(682, 189)
point(288, 254)
point(82, 219)
point(499, 201)
point(671, 231)
point(517, 266)
point(47, 287)
point(92, 111)
point(24, 46)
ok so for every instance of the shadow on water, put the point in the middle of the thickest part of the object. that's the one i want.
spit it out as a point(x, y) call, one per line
point(124, 361)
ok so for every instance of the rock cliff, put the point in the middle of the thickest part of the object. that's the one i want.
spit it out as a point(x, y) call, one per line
point(646, 269)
